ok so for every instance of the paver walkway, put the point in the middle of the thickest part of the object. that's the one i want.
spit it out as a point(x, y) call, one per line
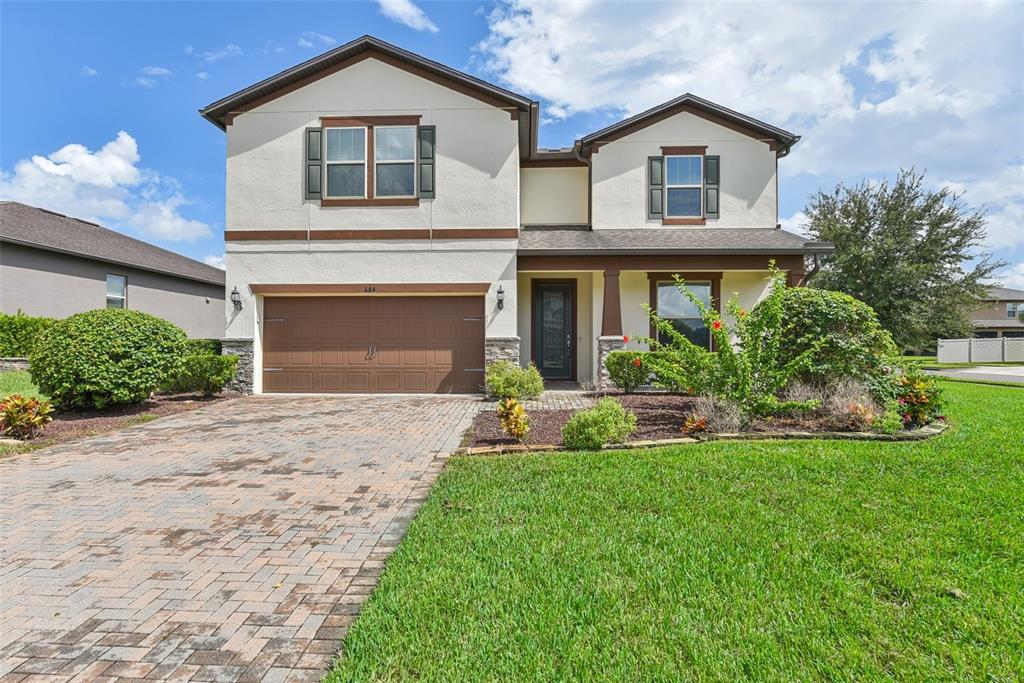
point(236, 542)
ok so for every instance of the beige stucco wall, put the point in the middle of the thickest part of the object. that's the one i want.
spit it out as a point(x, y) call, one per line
point(748, 175)
point(477, 163)
point(585, 330)
point(56, 285)
point(994, 310)
point(553, 196)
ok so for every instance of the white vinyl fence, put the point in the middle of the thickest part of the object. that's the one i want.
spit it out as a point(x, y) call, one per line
point(1005, 349)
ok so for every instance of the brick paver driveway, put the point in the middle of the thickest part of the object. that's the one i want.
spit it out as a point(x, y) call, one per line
point(236, 542)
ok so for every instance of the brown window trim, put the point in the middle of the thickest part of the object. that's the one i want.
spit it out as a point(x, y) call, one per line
point(369, 122)
point(689, 151)
point(684, 221)
point(381, 234)
point(715, 278)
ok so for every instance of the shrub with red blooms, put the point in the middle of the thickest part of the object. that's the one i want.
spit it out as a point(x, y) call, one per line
point(627, 369)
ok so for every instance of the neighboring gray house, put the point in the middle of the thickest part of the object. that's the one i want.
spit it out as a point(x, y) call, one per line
point(999, 314)
point(54, 265)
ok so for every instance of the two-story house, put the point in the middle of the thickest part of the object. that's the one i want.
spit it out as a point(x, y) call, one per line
point(999, 314)
point(392, 226)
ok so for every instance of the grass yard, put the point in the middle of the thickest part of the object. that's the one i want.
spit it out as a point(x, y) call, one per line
point(19, 382)
point(768, 561)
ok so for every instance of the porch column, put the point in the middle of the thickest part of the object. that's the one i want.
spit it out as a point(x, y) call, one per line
point(611, 328)
point(611, 317)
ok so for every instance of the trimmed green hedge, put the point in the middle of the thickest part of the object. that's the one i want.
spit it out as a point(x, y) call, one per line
point(606, 422)
point(19, 333)
point(204, 373)
point(197, 347)
point(505, 379)
point(107, 356)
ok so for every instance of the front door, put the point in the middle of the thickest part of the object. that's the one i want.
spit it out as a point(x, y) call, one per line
point(554, 334)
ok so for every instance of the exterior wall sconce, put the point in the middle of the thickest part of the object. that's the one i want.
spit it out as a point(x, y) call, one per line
point(501, 297)
point(236, 299)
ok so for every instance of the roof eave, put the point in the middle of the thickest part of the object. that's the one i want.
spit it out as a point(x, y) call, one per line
point(673, 252)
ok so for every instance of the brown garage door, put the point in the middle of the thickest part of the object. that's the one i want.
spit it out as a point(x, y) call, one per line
point(414, 344)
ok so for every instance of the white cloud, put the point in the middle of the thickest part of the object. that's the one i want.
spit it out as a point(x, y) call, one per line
point(272, 47)
point(312, 39)
point(215, 261)
point(202, 75)
point(158, 71)
point(1012, 277)
point(405, 12)
point(218, 54)
point(188, 49)
point(106, 186)
point(88, 71)
point(797, 223)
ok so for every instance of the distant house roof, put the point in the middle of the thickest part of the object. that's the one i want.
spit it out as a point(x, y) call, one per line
point(999, 323)
point(565, 240)
point(31, 226)
point(1004, 294)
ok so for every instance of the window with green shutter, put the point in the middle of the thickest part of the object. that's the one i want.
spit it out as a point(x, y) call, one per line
point(712, 172)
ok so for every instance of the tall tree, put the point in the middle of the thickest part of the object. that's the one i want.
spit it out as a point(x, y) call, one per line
point(912, 254)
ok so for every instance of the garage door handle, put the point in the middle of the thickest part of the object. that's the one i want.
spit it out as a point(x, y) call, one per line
point(372, 351)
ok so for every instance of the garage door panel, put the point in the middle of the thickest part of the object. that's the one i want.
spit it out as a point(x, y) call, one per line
point(423, 344)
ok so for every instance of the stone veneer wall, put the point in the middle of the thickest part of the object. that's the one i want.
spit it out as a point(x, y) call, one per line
point(606, 345)
point(242, 348)
point(12, 364)
point(501, 348)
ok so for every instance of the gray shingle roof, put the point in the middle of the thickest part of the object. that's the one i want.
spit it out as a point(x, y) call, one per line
point(1005, 294)
point(1002, 322)
point(22, 224)
point(564, 239)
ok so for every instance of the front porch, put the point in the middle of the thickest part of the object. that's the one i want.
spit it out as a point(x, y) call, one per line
point(574, 310)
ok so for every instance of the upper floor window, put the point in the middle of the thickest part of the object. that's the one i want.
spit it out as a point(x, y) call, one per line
point(117, 291)
point(1013, 309)
point(394, 152)
point(345, 155)
point(684, 186)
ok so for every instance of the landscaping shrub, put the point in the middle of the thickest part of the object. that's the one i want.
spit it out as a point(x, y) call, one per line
point(204, 373)
point(197, 347)
point(19, 333)
point(607, 422)
point(505, 379)
point(514, 419)
point(721, 416)
point(838, 335)
point(107, 356)
point(23, 417)
point(628, 369)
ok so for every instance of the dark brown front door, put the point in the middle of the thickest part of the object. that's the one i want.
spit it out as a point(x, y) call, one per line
point(554, 329)
point(401, 344)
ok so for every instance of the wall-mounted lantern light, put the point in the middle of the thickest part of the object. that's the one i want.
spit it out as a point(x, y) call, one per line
point(501, 297)
point(236, 299)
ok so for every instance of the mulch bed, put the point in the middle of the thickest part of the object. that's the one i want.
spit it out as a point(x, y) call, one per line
point(72, 425)
point(658, 416)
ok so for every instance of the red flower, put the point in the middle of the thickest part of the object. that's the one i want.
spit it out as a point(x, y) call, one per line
point(625, 338)
point(637, 362)
point(717, 325)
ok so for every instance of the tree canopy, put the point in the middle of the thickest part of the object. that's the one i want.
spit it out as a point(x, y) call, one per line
point(913, 254)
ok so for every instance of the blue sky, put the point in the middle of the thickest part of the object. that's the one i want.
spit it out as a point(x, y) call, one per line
point(98, 113)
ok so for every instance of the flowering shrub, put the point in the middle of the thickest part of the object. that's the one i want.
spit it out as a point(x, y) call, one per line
point(627, 369)
point(514, 419)
point(24, 418)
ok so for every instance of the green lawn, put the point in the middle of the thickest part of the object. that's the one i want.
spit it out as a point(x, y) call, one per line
point(19, 382)
point(767, 561)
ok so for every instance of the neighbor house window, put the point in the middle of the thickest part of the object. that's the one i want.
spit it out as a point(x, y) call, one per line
point(675, 307)
point(345, 155)
point(394, 157)
point(117, 291)
point(684, 186)
point(1013, 309)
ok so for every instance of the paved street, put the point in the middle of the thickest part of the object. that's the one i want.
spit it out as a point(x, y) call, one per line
point(999, 373)
point(236, 542)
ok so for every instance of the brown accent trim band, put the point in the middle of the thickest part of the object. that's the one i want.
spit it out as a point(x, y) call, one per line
point(552, 163)
point(683, 221)
point(372, 201)
point(473, 233)
point(382, 234)
point(675, 263)
point(686, 275)
point(389, 60)
point(478, 288)
point(349, 121)
point(692, 149)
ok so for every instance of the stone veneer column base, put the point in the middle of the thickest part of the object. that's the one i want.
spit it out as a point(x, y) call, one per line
point(606, 345)
point(242, 348)
point(501, 348)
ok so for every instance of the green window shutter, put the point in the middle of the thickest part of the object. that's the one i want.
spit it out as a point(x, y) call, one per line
point(712, 172)
point(314, 163)
point(655, 187)
point(425, 158)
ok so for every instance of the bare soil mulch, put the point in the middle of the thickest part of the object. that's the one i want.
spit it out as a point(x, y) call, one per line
point(72, 425)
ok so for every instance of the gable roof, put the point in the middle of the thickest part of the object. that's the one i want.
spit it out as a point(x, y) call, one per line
point(781, 140)
point(43, 229)
point(1004, 294)
point(334, 60)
